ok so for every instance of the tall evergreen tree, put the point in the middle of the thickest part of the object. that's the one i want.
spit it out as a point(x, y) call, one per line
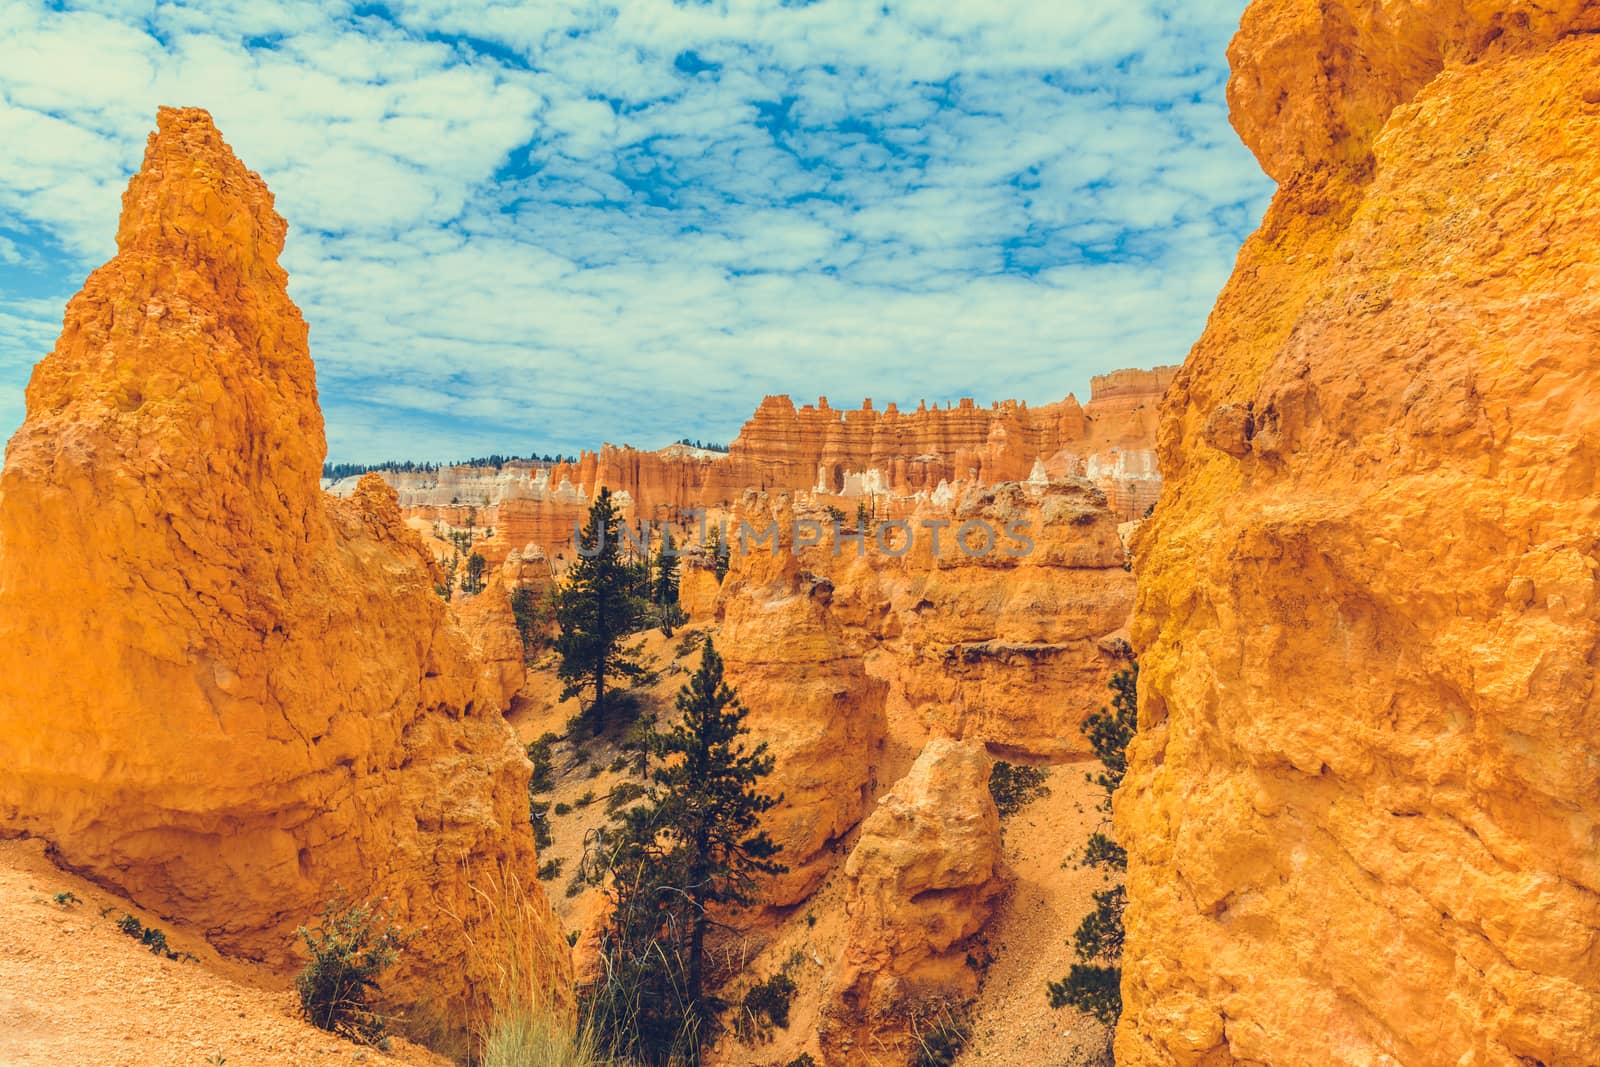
point(709, 799)
point(1094, 983)
point(596, 610)
point(477, 567)
point(719, 553)
point(694, 842)
point(664, 584)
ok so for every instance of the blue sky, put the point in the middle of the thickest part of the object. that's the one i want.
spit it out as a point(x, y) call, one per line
point(539, 225)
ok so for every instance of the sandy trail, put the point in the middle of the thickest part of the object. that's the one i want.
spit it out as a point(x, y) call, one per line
point(1014, 1025)
point(76, 992)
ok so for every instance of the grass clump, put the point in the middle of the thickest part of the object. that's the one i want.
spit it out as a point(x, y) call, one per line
point(939, 1040)
point(523, 1036)
point(522, 1023)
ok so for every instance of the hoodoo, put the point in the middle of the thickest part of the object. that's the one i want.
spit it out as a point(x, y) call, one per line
point(222, 691)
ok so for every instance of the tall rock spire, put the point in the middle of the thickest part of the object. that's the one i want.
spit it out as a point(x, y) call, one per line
point(220, 689)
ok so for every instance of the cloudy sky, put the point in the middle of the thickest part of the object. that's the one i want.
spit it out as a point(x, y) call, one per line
point(540, 224)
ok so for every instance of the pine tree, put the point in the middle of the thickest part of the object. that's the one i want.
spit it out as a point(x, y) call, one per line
point(596, 610)
point(446, 588)
point(719, 553)
point(1094, 983)
point(531, 613)
point(474, 582)
point(692, 843)
point(710, 801)
point(664, 585)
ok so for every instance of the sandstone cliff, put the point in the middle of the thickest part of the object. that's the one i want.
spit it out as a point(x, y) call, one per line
point(999, 639)
point(221, 690)
point(1362, 810)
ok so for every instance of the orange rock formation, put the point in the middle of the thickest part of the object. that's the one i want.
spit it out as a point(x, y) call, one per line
point(888, 455)
point(221, 690)
point(864, 450)
point(812, 702)
point(1011, 647)
point(1363, 811)
point(924, 877)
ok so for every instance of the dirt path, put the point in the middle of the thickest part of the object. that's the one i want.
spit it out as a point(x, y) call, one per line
point(1013, 1023)
point(77, 992)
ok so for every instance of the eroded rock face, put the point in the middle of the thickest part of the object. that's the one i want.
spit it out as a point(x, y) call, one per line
point(1000, 637)
point(1362, 810)
point(1006, 647)
point(925, 874)
point(490, 627)
point(221, 690)
point(812, 702)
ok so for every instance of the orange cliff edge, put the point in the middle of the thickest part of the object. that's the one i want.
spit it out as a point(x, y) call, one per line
point(203, 701)
point(1363, 810)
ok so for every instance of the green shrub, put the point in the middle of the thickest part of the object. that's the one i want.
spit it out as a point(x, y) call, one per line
point(625, 793)
point(803, 1060)
point(149, 936)
point(585, 800)
point(1094, 982)
point(690, 641)
point(539, 816)
point(541, 754)
point(550, 870)
point(563, 808)
point(766, 1005)
point(350, 947)
point(1014, 786)
point(67, 899)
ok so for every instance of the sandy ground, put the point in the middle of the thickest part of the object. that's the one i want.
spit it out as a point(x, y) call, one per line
point(76, 992)
point(1013, 1023)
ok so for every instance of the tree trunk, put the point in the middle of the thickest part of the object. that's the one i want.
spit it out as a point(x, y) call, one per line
point(696, 977)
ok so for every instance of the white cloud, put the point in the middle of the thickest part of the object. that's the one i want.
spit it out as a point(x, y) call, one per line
point(536, 225)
